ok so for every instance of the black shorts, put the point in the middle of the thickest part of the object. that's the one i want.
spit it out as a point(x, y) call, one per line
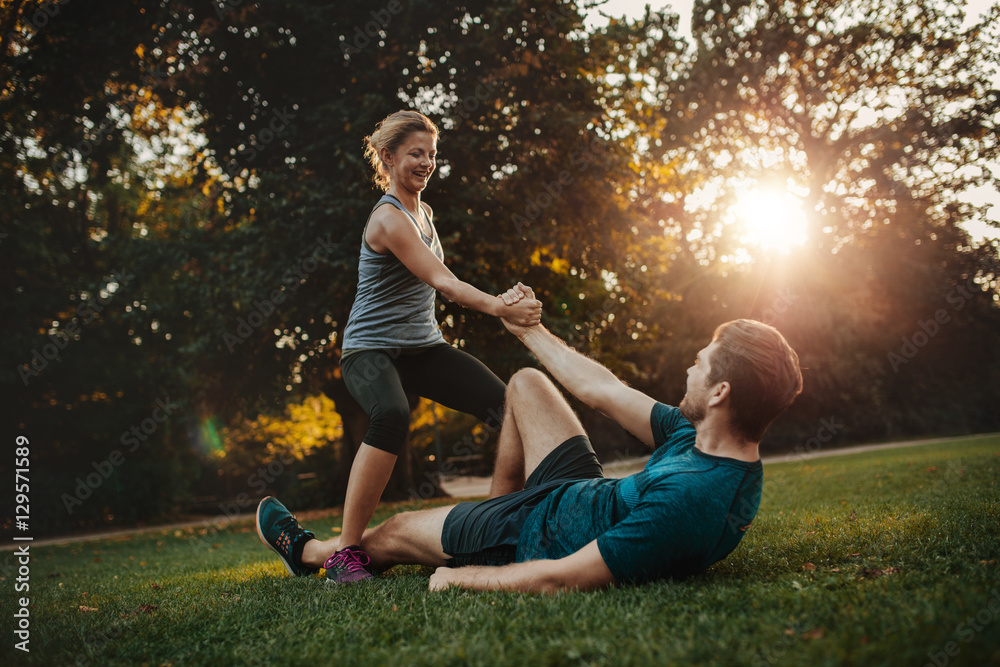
point(487, 532)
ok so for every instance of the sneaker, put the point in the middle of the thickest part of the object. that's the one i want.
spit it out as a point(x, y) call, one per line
point(278, 529)
point(348, 566)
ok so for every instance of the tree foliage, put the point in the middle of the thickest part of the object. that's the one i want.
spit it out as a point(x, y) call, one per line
point(878, 116)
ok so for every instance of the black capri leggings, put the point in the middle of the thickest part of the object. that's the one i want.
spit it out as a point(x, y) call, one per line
point(380, 380)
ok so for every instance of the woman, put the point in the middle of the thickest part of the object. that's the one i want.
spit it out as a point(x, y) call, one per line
point(393, 345)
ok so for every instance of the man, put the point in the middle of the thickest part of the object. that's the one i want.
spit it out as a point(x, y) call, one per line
point(553, 522)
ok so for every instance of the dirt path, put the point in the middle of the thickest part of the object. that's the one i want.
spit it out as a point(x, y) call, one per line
point(461, 487)
point(466, 487)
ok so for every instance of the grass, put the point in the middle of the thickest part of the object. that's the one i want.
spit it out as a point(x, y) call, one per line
point(888, 557)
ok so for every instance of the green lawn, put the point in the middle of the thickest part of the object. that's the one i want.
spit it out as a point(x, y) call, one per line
point(889, 557)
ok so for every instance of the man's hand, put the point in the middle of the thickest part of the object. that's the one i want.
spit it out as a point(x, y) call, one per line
point(525, 313)
point(442, 578)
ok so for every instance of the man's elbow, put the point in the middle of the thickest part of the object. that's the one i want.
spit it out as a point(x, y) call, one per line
point(554, 582)
point(558, 580)
point(546, 576)
point(598, 395)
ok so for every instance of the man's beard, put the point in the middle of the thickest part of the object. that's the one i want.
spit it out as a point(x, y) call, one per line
point(693, 409)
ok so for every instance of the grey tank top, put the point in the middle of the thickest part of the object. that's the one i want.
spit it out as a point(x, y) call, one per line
point(393, 307)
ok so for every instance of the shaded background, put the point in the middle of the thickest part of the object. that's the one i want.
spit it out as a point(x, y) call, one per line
point(183, 193)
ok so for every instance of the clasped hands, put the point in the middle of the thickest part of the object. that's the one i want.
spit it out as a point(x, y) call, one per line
point(522, 309)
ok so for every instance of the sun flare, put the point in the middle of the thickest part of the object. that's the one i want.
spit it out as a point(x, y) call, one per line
point(772, 220)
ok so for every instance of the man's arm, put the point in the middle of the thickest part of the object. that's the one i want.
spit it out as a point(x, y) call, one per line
point(584, 570)
point(589, 381)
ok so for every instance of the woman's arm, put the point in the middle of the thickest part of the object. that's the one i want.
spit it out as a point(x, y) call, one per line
point(390, 230)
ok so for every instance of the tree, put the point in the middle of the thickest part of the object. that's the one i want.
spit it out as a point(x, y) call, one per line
point(879, 116)
point(79, 384)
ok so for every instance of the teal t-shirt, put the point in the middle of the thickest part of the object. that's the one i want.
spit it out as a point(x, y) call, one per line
point(683, 512)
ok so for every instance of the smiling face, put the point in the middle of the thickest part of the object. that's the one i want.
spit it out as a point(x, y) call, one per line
point(412, 163)
point(695, 402)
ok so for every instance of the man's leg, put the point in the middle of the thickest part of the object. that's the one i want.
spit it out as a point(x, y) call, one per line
point(407, 538)
point(537, 419)
point(410, 538)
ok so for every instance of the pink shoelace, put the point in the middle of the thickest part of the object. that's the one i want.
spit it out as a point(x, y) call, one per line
point(348, 558)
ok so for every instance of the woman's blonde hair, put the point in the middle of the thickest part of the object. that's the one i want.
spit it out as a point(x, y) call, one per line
point(390, 133)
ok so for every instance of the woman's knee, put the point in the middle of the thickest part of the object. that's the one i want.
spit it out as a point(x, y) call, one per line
point(387, 428)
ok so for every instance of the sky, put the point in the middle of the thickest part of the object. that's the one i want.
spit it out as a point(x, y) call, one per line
point(974, 8)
